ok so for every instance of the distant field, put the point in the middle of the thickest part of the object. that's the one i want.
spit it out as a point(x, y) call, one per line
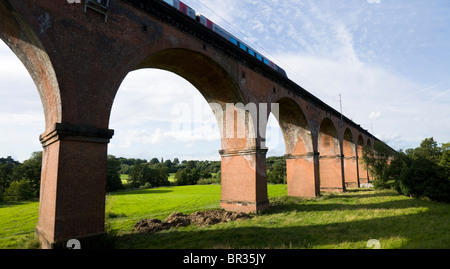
point(336, 221)
point(172, 179)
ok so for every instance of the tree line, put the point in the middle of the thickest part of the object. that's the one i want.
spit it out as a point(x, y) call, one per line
point(141, 173)
point(21, 181)
point(422, 172)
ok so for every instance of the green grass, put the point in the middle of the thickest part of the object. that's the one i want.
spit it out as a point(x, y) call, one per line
point(126, 208)
point(332, 221)
point(17, 223)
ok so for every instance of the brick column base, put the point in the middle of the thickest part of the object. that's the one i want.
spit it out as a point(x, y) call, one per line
point(244, 180)
point(302, 178)
point(331, 179)
point(73, 184)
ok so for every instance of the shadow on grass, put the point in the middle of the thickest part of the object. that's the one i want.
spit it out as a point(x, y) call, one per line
point(425, 229)
point(142, 191)
point(354, 233)
point(11, 204)
point(301, 206)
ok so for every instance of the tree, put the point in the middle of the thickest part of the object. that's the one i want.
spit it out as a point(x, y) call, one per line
point(428, 149)
point(191, 165)
point(277, 175)
point(31, 170)
point(168, 164)
point(376, 160)
point(19, 191)
point(156, 175)
point(113, 181)
point(5, 176)
point(187, 176)
point(425, 172)
point(444, 162)
point(154, 161)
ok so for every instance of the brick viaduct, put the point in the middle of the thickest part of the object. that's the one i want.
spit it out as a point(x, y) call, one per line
point(78, 59)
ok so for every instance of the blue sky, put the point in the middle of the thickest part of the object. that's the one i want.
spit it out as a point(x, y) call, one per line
point(389, 60)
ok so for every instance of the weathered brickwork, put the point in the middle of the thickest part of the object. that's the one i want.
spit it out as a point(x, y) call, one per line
point(78, 62)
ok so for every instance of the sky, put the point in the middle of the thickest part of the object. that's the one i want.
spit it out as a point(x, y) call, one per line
point(388, 59)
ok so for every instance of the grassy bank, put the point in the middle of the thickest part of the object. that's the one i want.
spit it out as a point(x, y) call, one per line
point(333, 221)
point(336, 221)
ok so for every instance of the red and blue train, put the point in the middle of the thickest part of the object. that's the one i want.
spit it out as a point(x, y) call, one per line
point(182, 7)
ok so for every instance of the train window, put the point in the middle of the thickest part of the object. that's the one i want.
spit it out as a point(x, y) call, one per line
point(209, 24)
point(259, 57)
point(242, 46)
point(252, 53)
point(233, 40)
point(266, 61)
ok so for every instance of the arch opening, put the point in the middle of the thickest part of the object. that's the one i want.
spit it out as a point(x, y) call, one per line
point(159, 112)
point(299, 154)
point(330, 164)
point(350, 160)
point(21, 114)
point(235, 117)
point(22, 40)
point(362, 167)
point(221, 98)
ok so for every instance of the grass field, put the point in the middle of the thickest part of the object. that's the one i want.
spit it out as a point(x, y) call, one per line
point(332, 221)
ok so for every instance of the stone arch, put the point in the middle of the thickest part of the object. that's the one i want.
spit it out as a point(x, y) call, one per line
point(369, 143)
point(295, 128)
point(17, 33)
point(328, 143)
point(300, 168)
point(370, 146)
point(330, 165)
point(216, 86)
point(350, 160)
point(243, 162)
point(362, 169)
point(19, 36)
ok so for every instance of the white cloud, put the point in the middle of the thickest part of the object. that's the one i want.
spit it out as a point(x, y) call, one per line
point(368, 90)
point(375, 115)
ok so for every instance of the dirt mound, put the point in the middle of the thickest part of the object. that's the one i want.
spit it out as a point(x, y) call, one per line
point(178, 219)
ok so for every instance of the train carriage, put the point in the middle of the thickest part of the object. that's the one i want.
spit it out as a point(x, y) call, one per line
point(179, 5)
point(182, 7)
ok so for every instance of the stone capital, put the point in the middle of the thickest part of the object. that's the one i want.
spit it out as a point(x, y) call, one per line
point(70, 132)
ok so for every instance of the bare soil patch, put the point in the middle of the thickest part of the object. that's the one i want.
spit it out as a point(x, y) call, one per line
point(177, 219)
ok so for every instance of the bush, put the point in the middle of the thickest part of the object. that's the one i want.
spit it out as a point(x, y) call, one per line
point(113, 181)
point(156, 175)
point(424, 179)
point(147, 185)
point(424, 172)
point(216, 179)
point(277, 175)
point(187, 177)
point(383, 184)
point(19, 191)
